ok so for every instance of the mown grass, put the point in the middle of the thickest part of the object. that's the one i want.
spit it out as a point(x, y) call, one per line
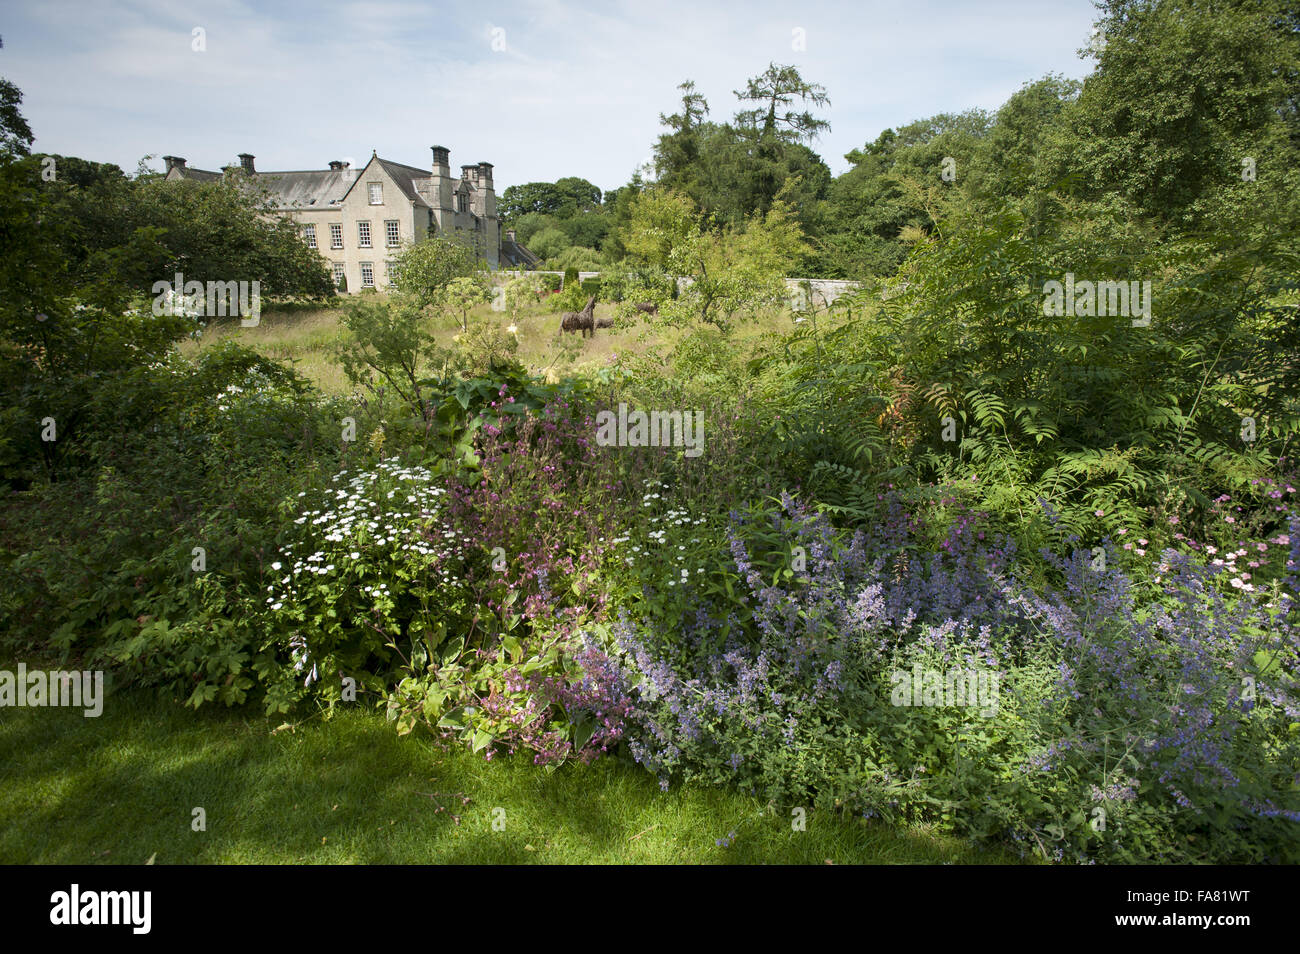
point(122, 788)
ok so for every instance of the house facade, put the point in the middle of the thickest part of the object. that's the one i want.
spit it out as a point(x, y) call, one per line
point(358, 218)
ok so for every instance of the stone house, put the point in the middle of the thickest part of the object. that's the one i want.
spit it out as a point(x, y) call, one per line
point(357, 218)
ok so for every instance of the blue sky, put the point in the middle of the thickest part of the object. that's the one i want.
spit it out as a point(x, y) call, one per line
point(541, 89)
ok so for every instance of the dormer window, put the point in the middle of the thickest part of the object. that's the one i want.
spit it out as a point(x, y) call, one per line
point(376, 193)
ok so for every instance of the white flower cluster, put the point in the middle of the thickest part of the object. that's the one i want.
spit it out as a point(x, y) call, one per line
point(363, 522)
point(256, 388)
point(1229, 562)
point(670, 518)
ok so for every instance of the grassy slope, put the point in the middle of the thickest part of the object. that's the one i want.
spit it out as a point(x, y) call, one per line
point(122, 788)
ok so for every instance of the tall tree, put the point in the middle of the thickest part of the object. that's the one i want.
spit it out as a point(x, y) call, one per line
point(677, 152)
point(15, 135)
point(772, 126)
point(1183, 91)
point(881, 198)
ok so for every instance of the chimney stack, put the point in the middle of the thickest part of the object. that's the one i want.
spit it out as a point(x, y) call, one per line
point(336, 165)
point(246, 161)
point(441, 161)
point(174, 162)
point(485, 173)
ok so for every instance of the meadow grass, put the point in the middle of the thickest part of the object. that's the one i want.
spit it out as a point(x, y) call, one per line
point(309, 339)
point(122, 788)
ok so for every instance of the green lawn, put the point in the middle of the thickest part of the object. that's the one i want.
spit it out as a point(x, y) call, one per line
point(122, 788)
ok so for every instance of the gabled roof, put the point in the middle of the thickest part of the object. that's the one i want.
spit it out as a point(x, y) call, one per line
point(515, 254)
point(201, 175)
point(326, 188)
point(407, 178)
point(312, 189)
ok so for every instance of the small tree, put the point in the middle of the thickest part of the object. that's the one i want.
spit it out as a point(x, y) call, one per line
point(520, 289)
point(462, 294)
point(730, 271)
point(661, 223)
point(424, 270)
point(388, 340)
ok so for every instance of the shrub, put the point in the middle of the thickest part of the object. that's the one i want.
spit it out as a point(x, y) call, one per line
point(521, 686)
point(330, 610)
point(1122, 731)
point(148, 564)
point(572, 298)
point(487, 349)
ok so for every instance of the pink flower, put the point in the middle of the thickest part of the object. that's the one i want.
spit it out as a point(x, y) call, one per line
point(1100, 513)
